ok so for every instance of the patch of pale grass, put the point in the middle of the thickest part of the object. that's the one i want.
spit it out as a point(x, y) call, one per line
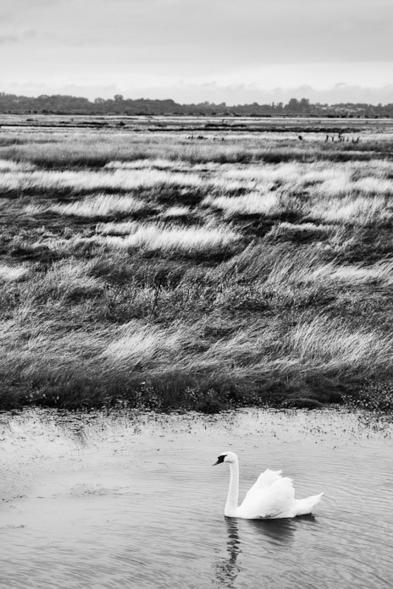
point(381, 272)
point(356, 210)
point(176, 212)
point(35, 209)
point(338, 184)
point(161, 164)
point(249, 204)
point(138, 345)
point(140, 164)
point(153, 237)
point(55, 244)
point(12, 273)
point(116, 228)
point(67, 278)
point(299, 231)
point(88, 180)
point(266, 173)
point(329, 343)
point(335, 179)
point(331, 176)
point(101, 205)
point(44, 348)
point(225, 185)
point(290, 268)
point(10, 166)
point(372, 185)
point(341, 184)
point(250, 346)
point(307, 269)
point(378, 167)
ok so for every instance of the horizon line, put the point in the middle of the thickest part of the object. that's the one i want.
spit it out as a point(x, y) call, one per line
point(119, 97)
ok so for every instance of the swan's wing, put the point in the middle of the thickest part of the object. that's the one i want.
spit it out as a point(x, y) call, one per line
point(269, 500)
point(265, 480)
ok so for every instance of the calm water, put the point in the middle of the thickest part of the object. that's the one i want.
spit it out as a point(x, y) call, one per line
point(134, 502)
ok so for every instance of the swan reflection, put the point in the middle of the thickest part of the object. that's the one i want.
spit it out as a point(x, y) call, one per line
point(273, 531)
point(264, 535)
point(227, 569)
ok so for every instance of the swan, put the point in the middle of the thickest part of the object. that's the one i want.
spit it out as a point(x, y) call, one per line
point(271, 496)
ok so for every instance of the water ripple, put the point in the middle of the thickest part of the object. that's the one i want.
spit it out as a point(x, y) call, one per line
point(132, 500)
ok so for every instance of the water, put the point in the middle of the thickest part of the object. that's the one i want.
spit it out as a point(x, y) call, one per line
point(94, 501)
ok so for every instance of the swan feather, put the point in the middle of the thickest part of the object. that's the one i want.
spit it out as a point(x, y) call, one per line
point(274, 498)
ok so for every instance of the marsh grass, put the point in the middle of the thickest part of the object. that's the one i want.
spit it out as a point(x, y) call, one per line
point(101, 205)
point(11, 273)
point(253, 203)
point(160, 271)
point(174, 238)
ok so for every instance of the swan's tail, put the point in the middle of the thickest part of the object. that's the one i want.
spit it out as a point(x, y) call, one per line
point(305, 506)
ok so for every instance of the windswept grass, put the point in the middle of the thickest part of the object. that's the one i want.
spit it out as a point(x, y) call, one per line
point(67, 280)
point(8, 166)
point(176, 212)
point(11, 273)
point(356, 210)
point(299, 232)
point(89, 180)
point(356, 275)
point(175, 270)
point(102, 205)
point(253, 203)
point(144, 346)
point(161, 238)
point(328, 344)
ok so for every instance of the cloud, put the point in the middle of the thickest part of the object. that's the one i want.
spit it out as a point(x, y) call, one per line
point(6, 39)
point(215, 33)
point(107, 43)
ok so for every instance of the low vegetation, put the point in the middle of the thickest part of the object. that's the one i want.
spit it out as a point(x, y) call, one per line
point(170, 271)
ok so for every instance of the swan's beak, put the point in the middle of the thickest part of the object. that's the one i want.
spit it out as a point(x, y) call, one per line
point(220, 459)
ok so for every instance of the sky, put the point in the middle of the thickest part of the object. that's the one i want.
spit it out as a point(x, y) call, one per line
point(195, 50)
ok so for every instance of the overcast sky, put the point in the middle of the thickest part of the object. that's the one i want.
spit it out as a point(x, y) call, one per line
point(232, 50)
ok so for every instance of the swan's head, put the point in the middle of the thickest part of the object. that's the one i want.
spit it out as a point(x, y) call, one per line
point(226, 457)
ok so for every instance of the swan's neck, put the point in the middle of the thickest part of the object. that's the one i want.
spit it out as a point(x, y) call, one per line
point(233, 491)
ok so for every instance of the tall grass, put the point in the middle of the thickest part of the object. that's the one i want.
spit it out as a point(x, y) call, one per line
point(101, 205)
point(250, 204)
point(357, 210)
point(88, 180)
point(331, 345)
point(11, 273)
point(151, 237)
point(172, 272)
point(146, 356)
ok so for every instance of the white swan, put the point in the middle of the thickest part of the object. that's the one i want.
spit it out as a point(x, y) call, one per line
point(271, 496)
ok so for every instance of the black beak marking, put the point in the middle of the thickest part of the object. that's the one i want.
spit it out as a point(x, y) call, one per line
point(219, 460)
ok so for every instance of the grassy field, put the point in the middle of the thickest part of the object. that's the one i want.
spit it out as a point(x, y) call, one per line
point(195, 264)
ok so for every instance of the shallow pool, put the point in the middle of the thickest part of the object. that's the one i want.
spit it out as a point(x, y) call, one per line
point(133, 501)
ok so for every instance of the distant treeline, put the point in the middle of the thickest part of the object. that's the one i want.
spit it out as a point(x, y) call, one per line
point(118, 105)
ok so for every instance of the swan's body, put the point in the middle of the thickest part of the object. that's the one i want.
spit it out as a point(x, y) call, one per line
point(271, 496)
